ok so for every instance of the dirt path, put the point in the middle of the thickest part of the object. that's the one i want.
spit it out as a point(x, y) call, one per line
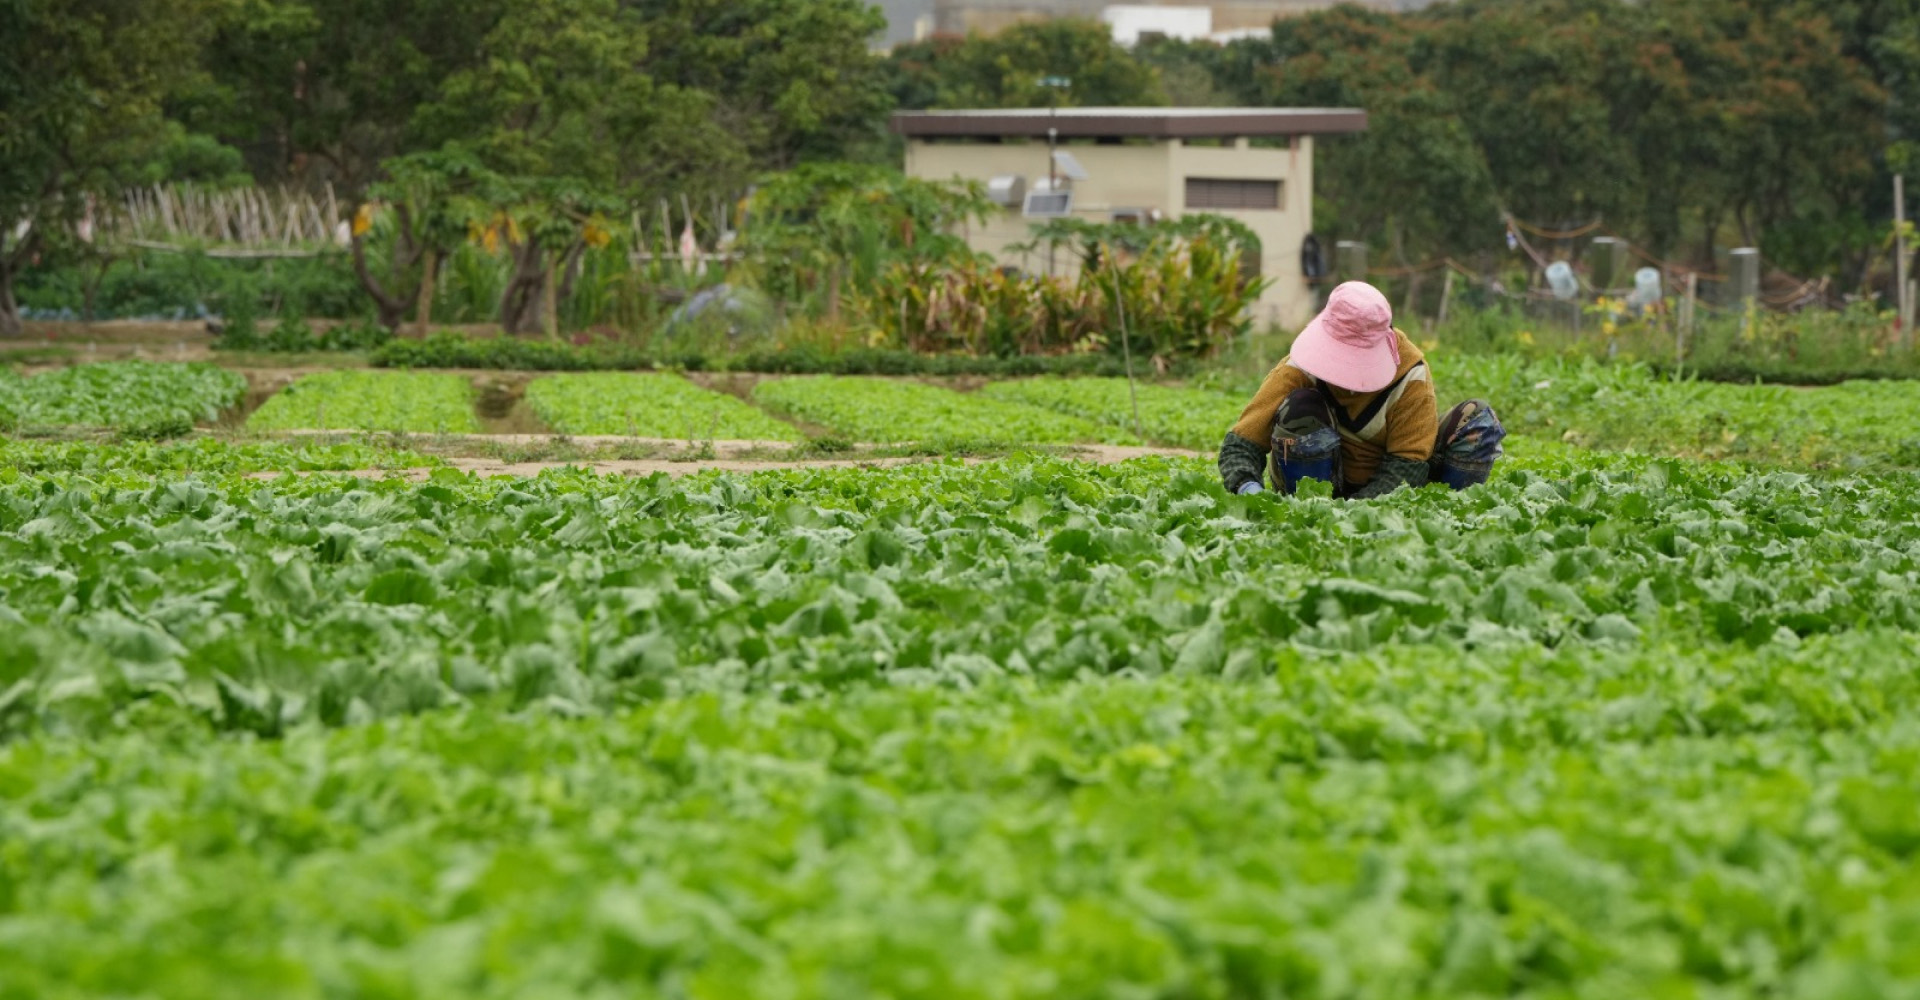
point(490, 468)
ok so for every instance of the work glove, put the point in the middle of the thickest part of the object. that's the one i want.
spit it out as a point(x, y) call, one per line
point(1249, 487)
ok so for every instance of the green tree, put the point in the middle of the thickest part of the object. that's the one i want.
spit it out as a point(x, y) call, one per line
point(1536, 84)
point(1005, 70)
point(434, 201)
point(556, 110)
point(790, 79)
point(841, 225)
point(1777, 128)
point(81, 88)
point(1416, 181)
point(324, 90)
point(1189, 71)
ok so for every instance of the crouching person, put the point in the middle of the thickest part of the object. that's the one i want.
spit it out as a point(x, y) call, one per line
point(1353, 405)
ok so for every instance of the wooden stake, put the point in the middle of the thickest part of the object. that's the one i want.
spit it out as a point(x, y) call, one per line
point(1446, 296)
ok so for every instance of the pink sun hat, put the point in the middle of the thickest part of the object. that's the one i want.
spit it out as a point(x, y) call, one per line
point(1351, 344)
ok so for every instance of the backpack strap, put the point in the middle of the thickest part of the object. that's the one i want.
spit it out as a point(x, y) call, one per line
point(1371, 421)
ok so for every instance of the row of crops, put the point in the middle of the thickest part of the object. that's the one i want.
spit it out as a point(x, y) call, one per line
point(1855, 425)
point(1608, 726)
point(141, 395)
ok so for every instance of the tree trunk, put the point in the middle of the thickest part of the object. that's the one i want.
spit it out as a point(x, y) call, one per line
point(392, 309)
point(552, 301)
point(520, 303)
point(9, 309)
point(90, 295)
point(429, 280)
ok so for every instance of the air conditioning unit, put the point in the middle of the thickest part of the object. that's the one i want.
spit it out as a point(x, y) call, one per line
point(1048, 204)
point(1008, 190)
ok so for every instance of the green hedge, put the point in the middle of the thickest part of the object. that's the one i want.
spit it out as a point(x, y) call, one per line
point(445, 350)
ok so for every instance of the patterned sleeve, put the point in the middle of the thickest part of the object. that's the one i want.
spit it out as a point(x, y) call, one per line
point(1393, 473)
point(1241, 462)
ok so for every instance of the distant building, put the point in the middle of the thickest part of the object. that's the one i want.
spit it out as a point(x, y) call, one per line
point(1139, 164)
point(986, 17)
point(912, 20)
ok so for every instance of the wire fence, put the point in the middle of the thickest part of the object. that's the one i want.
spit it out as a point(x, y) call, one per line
point(1697, 289)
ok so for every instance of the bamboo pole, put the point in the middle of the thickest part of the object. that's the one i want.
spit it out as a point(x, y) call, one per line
point(1685, 326)
point(1902, 293)
point(1126, 342)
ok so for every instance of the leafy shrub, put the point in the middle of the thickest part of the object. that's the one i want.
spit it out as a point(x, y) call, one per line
point(154, 285)
point(294, 335)
point(450, 350)
point(1181, 298)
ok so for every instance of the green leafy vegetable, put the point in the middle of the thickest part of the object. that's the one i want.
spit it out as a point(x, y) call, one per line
point(371, 400)
point(145, 399)
point(890, 411)
point(665, 406)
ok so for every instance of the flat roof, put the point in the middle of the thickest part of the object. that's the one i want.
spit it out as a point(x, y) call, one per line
point(1158, 123)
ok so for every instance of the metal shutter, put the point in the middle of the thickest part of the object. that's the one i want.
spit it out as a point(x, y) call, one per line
point(1226, 193)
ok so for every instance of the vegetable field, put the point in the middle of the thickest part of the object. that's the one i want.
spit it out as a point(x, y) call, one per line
point(371, 401)
point(664, 406)
point(890, 411)
point(140, 398)
point(1618, 723)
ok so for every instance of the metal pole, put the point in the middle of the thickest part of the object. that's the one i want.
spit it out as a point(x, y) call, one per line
point(1053, 177)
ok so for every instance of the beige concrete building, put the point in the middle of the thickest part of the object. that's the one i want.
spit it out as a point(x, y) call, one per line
point(1252, 164)
point(987, 17)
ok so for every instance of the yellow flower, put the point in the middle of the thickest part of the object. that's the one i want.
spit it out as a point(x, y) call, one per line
point(1525, 337)
point(596, 235)
point(363, 219)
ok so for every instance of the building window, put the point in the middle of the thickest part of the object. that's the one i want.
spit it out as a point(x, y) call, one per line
point(1215, 192)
